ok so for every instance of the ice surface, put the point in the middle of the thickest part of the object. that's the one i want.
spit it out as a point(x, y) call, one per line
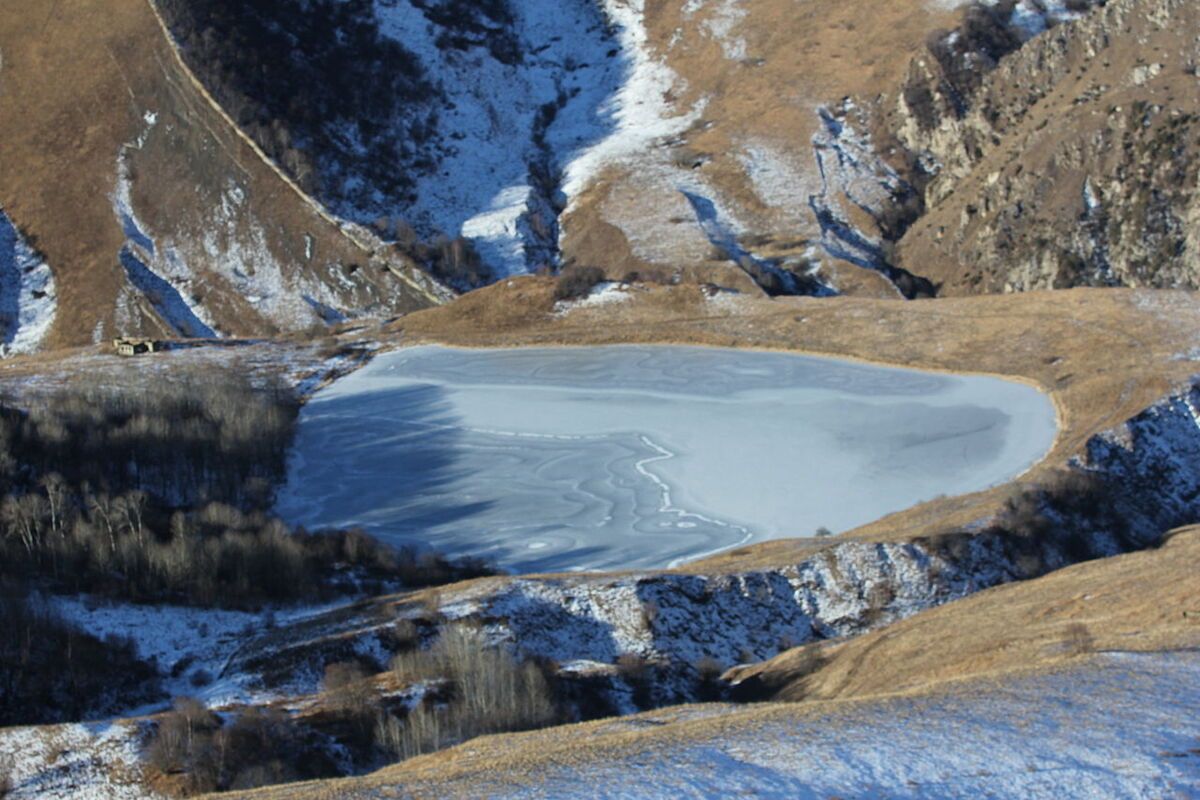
point(638, 457)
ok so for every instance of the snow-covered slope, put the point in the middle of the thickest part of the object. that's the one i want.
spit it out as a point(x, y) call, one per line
point(518, 139)
point(28, 301)
point(1122, 726)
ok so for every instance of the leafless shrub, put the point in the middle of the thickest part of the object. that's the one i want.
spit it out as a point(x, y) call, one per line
point(1078, 640)
point(347, 687)
point(155, 495)
point(632, 667)
point(183, 743)
point(708, 679)
point(649, 614)
point(259, 747)
point(803, 665)
point(52, 671)
point(403, 634)
point(708, 668)
point(576, 281)
point(491, 692)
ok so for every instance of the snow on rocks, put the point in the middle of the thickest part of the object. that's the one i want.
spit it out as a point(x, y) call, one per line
point(1032, 17)
point(28, 299)
point(850, 171)
point(503, 127)
point(639, 110)
point(1155, 456)
point(82, 761)
point(518, 141)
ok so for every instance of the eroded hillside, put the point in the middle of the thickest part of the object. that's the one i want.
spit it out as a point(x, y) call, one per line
point(1073, 163)
point(152, 212)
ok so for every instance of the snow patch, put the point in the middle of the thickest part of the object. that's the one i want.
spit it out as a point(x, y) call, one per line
point(850, 172)
point(1124, 725)
point(191, 647)
point(505, 131)
point(721, 24)
point(602, 294)
point(28, 301)
point(641, 110)
point(160, 274)
point(83, 761)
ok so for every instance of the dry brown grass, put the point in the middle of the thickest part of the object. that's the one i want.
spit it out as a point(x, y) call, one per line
point(77, 78)
point(798, 56)
point(1082, 102)
point(1145, 601)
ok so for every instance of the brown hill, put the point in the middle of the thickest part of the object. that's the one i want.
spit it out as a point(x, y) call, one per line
point(93, 103)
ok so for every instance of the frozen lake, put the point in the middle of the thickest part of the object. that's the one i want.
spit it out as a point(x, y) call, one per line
point(630, 457)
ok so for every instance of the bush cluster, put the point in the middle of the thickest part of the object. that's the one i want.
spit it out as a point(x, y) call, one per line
point(199, 752)
point(575, 282)
point(51, 671)
point(193, 439)
point(1073, 515)
point(490, 691)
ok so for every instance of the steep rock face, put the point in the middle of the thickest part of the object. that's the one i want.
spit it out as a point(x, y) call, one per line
point(1071, 161)
point(504, 137)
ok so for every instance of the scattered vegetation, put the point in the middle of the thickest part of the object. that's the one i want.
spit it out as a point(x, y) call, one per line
point(796, 673)
point(463, 686)
point(353, 98)
point(1078, 639)
point(489, 691)
point(192, 750)
point(1069, 517)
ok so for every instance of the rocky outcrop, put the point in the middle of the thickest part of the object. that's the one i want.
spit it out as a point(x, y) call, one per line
point(1071, 161)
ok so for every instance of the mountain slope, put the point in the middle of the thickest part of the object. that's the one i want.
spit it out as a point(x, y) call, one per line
point(1074, 162)
point(153, 213)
